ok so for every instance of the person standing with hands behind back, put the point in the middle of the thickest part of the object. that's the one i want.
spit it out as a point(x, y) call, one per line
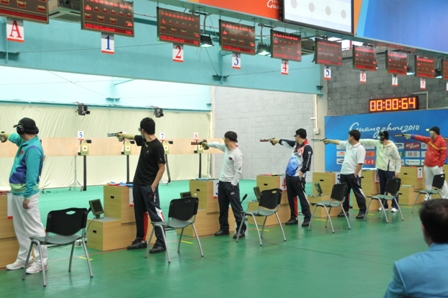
point(24, 181)
point(150, 169)
point(229, 187)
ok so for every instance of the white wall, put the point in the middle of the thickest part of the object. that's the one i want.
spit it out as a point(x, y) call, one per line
point(256, 115)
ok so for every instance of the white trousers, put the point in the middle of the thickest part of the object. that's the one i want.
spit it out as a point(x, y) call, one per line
point(27, 223)
point(429, 175)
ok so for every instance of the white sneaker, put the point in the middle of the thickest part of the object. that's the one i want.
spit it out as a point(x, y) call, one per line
point(380, 209)
point(394, 210)
point(35, 268)
point(16, 265)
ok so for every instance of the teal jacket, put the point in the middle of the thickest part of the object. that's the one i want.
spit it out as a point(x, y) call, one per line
point(25, 173)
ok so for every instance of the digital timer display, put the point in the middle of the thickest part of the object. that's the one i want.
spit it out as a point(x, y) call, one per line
point(286, 46)
point(112, 16)
point(30, 10)
point(393, 104)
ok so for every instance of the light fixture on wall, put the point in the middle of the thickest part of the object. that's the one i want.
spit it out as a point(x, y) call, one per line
point(410, 69)
point(262, 48)
point(438, 70)
point(158, 112)
point(83, 110)
point(206, 40)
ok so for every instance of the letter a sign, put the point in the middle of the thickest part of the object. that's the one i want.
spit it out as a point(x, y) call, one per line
point(14, 30)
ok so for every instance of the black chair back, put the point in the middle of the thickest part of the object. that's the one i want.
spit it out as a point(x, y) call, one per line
point(339, 192)
point(257, 192)
point(438, 181)
point(66, 222)
point(393, 186)
point(270, 198)
point(183, 209)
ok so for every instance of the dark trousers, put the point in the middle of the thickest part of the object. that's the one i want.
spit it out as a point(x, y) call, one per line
point(296, 187)
point(384, 176)
point(354, 183)
point(145, 200)
point(229, 194)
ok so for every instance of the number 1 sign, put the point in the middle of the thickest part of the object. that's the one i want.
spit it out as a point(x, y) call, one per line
point(107, 43)
point(178, 53)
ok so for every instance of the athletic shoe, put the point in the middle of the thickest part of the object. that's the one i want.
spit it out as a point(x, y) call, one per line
point(16, 265)
point(394, 210)
point(292, 221)
point(137, 244)
point(35, 268)
point(380, 209)
point(156, 249)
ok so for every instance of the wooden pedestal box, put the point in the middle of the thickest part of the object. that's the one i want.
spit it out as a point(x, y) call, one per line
point(369, 183)
point(445, 169)
point(116, 204)
point(109, 234)
point(407, 195)
point(6, 224)
point(208, 224)
point(373, 206)
point(9, 248)
point(283, 213)
point(326, 181)
point(320, 212)
point(413, 176)
point(204, 190)
point(265, 182)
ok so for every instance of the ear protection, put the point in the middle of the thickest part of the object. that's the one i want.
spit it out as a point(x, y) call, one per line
point(19, 128)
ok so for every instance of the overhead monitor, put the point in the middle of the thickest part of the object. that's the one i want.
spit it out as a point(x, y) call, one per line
point(286, 46)
point(237, 38)
point(112, 16)
point(397, 62)
point(364, 58)
point(425, 66)
point(445, 69)
point(30, 10)
point(178, 27)
point(328, 52)
point(329, 15)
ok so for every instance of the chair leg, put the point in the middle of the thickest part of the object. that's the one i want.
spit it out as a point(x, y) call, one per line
point(197, 238)
point(164, 240)
point(383, 211)
point(329, 218)
point(87, 256)
point(399, 209)
point(346, 218)
point(258, 231)
point(27, 260)
point(415, 202)
point(312, 216)
point(367, 209)
point(71, 258)
point(180, 239)
point(149, 241)
point(44, 278)
point(264, 223)
point(281, 227)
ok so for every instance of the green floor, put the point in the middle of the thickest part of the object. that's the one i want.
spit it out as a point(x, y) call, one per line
point(349, 263)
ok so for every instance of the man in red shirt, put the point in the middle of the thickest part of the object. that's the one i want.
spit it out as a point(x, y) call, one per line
point(435, 157)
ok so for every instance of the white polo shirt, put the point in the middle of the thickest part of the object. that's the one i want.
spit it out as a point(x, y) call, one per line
point(354, 155)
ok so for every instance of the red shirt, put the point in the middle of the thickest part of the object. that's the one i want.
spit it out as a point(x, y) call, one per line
point(436, 152)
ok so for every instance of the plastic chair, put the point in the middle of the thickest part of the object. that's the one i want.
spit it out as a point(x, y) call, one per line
point(182, 213)
point(62, 229)
point(337, 198)
point(392, 188)
point(437, 183)
point(268, 205)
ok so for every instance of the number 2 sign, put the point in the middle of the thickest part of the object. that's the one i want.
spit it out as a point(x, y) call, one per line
point(178, 53)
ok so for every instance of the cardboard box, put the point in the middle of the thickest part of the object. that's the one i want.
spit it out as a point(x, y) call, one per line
point(110, 234)
point(117, 205)
point(9, 248)
point(283, 213)
point(207, 224)
point(6, 224)
point(407, 195)
point(414, 176)
point(445, 169)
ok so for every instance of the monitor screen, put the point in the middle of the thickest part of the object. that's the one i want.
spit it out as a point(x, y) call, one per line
point(97, 208)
